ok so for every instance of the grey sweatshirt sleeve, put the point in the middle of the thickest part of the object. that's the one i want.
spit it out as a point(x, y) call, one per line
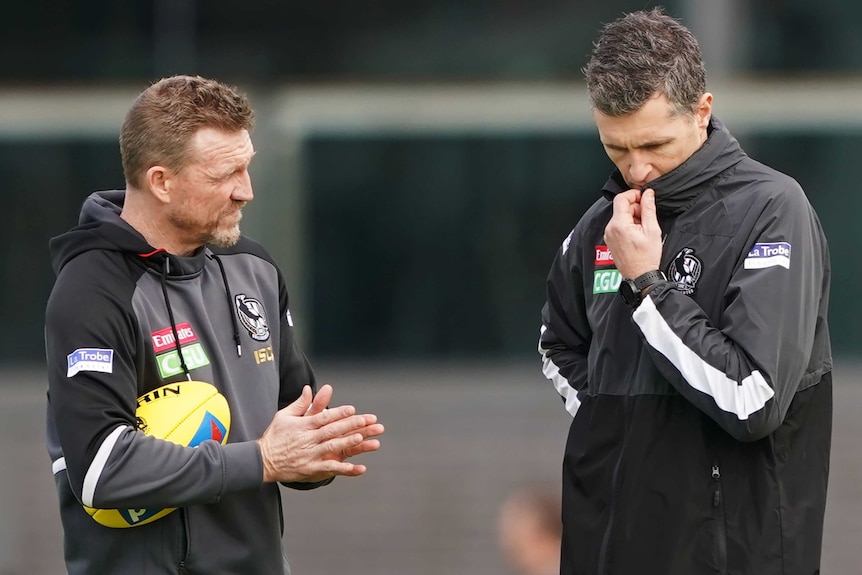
point(744, 369)
point(564, 338)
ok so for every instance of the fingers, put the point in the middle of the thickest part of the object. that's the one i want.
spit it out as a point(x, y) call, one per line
point(649, 219)
point(329, 416)
point(636, 213)
point(347, 469)
point(352, 445)
point(627, 212)
point(302, 403)
point(333, 455)
point(333, 467)
point(347, 426)
point(624, 201)
point(364, 447)
point(632, 196)
point(372, 430)
point(306, 441)
point(321, 400)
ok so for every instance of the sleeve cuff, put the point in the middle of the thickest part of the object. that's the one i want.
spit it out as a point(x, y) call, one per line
point(243, 466)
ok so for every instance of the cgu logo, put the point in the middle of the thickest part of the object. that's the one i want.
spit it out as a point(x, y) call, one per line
point(169, 363)
point(606, 281)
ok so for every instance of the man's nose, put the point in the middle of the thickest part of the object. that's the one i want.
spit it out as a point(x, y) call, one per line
point(639, 172)
point(243, 191)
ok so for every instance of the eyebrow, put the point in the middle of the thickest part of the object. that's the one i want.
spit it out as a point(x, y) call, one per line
point(647, 144)
point(241, 163)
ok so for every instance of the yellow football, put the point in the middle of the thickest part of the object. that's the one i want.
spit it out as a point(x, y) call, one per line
point(185, 412)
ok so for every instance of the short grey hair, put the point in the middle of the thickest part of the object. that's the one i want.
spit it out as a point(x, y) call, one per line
point(639, 55)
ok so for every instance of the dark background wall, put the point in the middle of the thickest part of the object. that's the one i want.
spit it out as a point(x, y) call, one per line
point(419, 245)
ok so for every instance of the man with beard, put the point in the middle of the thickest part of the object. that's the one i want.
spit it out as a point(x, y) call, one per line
point(155, 286)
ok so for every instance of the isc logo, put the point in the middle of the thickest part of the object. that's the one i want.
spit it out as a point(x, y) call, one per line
point(264, 354)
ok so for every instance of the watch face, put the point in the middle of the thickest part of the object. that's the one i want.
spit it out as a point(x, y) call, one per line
point(629, 293)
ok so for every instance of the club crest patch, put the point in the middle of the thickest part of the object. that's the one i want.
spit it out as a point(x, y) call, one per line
point(252, 316)
point(685, 270)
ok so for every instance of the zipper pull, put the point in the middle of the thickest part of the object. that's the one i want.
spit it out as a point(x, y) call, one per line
point(716, 496)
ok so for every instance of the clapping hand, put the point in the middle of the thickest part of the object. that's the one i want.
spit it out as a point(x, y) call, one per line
point(308, 442)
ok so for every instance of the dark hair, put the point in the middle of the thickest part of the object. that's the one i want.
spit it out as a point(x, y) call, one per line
point(165, 116)
point(641, 54)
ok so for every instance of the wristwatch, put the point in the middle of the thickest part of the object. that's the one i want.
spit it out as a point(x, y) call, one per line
point(631, 290)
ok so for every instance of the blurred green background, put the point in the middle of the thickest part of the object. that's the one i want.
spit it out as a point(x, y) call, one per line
point(420, 239)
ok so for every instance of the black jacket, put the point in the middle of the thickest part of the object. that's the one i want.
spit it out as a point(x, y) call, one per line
point(117, 294)
point(701, 432)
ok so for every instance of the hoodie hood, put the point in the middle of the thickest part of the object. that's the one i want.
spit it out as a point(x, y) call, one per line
point(100, 227)
point(676, 190)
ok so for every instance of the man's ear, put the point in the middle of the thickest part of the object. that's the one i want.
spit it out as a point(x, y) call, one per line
point(158, 182)
point(703, 110)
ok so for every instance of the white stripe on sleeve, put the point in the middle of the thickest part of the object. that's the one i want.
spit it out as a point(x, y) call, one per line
point(740, 399)
point(91, 479)
point(58, 465)
point(561, 384)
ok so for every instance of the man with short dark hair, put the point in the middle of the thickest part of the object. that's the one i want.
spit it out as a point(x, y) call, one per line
point(156, 286)
point(685, 328)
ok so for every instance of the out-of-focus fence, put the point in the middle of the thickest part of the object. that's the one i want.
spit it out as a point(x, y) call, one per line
point(411, 221)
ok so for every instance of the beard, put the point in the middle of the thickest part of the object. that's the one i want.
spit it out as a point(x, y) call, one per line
point(225, 237)
point(222, 233)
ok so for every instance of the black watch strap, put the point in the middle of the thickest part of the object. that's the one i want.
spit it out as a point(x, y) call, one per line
point(644, 281)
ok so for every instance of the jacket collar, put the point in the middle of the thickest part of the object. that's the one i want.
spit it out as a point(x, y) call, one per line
point(101, 227)
point(677, 189)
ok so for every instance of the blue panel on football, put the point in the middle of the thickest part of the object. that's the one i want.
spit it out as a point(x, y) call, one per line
point(210, 428)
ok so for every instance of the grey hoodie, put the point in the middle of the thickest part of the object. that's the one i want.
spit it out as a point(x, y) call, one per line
point(219, 316)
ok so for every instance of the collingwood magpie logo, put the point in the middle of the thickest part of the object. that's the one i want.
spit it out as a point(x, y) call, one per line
point(685, 270)
point(252, 316)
